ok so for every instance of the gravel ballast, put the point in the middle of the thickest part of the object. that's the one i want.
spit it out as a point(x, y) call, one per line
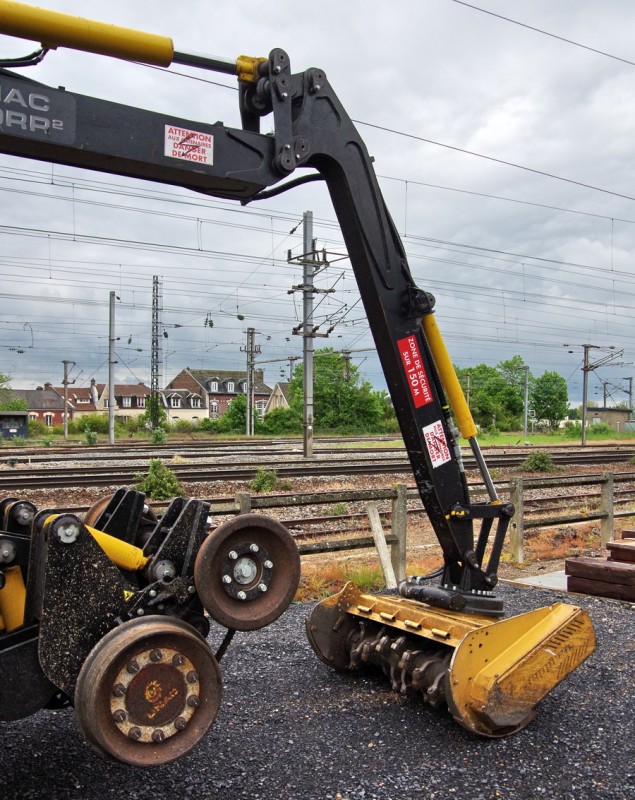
point(289, 728)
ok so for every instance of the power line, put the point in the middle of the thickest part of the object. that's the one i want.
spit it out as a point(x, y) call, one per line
point(545, 33)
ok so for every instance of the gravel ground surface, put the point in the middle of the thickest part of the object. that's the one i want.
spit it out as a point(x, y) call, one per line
point(291, 728)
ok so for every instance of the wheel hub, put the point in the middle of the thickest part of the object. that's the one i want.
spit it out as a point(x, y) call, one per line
point(155, 695)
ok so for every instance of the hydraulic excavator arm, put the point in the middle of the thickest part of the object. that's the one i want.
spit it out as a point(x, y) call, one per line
point(313, 139)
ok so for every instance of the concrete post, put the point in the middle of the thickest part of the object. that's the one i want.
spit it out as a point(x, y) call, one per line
point(380, 544)
point(398, 529)
point(243, 501)
point(606, 524)
point(516, 526)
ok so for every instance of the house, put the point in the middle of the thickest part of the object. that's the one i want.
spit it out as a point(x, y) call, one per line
point(130, 399)
point(44, 404)
point(197, 393)
point(615, 417)
point(279, 397)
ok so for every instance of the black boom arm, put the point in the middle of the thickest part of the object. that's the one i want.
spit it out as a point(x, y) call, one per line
point(312, 131)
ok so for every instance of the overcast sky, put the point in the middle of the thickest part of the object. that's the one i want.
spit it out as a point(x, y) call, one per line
point(519, 262)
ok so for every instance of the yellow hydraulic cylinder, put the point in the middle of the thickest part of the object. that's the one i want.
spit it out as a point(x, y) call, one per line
point(12, 599)
point(54, 29)
point(450, 382)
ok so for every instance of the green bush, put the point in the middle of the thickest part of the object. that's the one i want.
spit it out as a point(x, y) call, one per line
point(96, 422)
point(540, 461)
point(337, 510)
point(182, 426)
point(158, 436)
point(209, 425)
point(47, 441)
point(600, 429)
point(572, 430)
point(281, 420)
point(264, 481)
point(17, 441)
point(37, 427)
point(91, 436)
point(160, 483)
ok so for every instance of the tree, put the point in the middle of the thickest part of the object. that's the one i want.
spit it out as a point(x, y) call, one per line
point(155, 414)
point(7, 402)
point(550, 398)
point(496, 393)
point(341, 399)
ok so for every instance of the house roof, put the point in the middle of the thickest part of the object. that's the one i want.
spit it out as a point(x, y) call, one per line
point(42, 399)
point(225, 376)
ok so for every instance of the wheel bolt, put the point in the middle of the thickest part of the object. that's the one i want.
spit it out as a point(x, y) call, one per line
point(156, 655)
point(135, 733)
point(178, 660)
point(262, 587)
point(133, 667)
point(254, 548)
point(180, 723)
point(242, 596)
point(192, 677)
point(233, 555)
point(268, 564)
point(158, 735)
point(227, 579)
point(119, 715)
point(193, 701)
point(118, 690)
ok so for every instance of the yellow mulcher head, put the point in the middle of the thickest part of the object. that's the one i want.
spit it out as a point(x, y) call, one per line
point(491, 674)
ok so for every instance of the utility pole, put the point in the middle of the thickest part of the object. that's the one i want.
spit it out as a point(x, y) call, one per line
point(306, 328)
point(111, 371)
point(65, 383)
point(585, 389)
point(526, 400)
point(155, 360)
point(630, 397)
point(252, 350)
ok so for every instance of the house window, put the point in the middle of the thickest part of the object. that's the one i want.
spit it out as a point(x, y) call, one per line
point(82, 400)
point(260, 408)
point(175, 402)
point(230, 386)
point(127, 402)
point(213, 409)
point(106, 403)
point(48, 420)
point(33, 415)
point(141, 402)
point(213, 386)
point(245, 387)
point(196, 402)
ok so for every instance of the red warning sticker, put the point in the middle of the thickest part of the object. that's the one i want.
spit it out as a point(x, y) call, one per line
point(437, 444)
point(188, 145)
point(415, 371)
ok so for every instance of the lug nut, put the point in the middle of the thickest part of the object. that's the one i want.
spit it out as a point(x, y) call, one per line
point(227, 579)
point(118, 690)
point(158, 735)
point(193, 701)
point(242, 596)
point(132, 667)
point(254, 548)
point(119, 715)
point(178, 660)
point(233, 555)
point(180, 723)
point(135, 733)
point(156, 655)
point(268, 564)
point(262, 587)
point(192, 677)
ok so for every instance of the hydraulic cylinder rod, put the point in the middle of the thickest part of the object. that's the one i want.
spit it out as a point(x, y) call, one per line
point(54, 29)
point(453, 390)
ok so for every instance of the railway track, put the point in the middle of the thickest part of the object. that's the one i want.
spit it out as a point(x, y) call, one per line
point(62, 473)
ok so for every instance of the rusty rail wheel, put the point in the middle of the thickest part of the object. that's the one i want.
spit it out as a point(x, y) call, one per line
point(247, 572)
point(148, 692)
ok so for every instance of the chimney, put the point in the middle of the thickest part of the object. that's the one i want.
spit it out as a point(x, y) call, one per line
point(93, 391)
point(48, 385)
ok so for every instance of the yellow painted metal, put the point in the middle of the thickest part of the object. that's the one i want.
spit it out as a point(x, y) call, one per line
point(447, 373)
point(499, 673)
point(124, 555)
point(12, 599)
point(500, 669)
point(247, 68)
point(54, 29)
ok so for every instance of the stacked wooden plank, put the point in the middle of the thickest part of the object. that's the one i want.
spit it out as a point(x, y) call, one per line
point(613, 576)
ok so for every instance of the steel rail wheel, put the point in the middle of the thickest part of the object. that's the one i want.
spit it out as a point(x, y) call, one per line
point(247, 572)
point(148, 692)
